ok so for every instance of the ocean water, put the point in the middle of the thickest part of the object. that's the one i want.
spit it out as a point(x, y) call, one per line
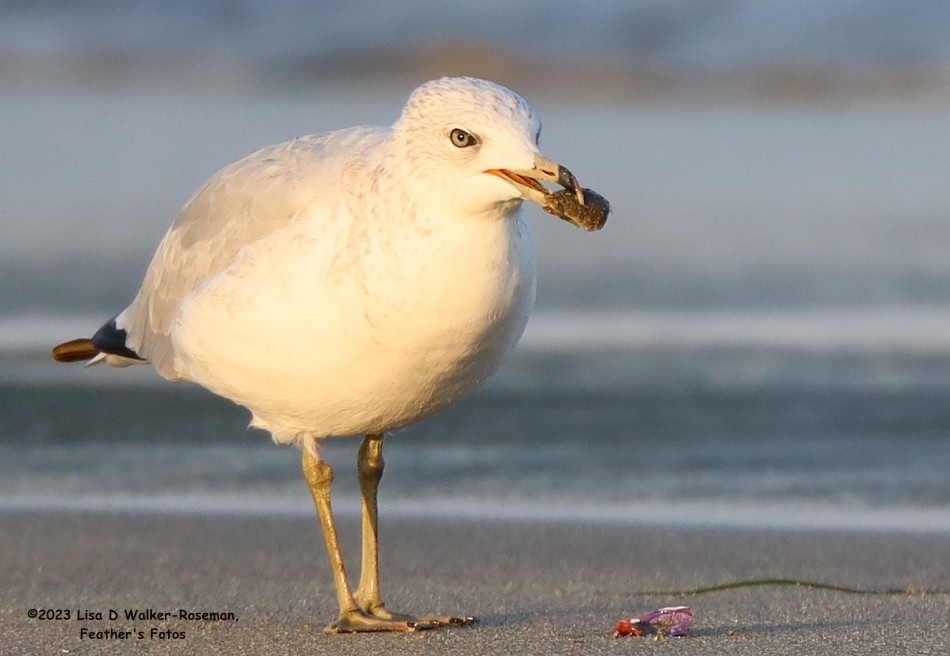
point(759, 337)
point(795, 427)
point(297, 32)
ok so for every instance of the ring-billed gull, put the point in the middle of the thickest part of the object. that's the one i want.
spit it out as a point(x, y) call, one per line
point(350, 283)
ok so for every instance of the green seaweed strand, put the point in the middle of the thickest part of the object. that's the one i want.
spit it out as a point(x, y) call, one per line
point(750, 583)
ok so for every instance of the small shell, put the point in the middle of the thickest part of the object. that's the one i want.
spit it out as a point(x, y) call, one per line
point(590, 216)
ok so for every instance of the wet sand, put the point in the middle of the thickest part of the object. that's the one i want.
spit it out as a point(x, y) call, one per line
point(538, 588)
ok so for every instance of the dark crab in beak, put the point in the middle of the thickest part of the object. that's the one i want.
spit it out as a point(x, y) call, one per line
point(584, 208)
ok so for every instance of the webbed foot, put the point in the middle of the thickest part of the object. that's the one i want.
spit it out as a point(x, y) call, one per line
point(359, 621)
point(382, 612)
point(380, 619)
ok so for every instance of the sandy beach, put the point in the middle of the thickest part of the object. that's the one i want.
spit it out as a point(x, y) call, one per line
point(538, 588)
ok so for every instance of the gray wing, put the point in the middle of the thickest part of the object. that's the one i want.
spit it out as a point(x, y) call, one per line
point(242, 203)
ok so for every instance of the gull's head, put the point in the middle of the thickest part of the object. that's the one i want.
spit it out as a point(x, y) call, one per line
point(473, 145)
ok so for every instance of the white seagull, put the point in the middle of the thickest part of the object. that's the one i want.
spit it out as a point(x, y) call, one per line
point(350, 283)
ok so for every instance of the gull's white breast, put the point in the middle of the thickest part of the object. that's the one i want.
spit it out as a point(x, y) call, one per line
point(337, 325)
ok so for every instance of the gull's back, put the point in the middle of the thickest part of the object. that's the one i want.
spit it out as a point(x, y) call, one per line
point(241, 204)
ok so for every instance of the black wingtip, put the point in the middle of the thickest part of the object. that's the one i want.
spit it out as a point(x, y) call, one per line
point(110, 339)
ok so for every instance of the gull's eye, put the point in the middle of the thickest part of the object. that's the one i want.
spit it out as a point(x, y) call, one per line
point(462, 139)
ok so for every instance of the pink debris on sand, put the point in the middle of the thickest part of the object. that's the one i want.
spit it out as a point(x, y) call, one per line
point(663, 622)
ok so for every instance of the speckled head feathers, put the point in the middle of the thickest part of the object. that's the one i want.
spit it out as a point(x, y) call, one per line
point(465, 96)
point(505, 133)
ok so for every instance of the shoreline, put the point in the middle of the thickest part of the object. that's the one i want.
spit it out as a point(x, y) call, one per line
point(684, 515)
point(538, 587)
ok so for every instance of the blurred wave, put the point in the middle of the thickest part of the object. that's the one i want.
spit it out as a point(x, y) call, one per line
point(740, 207)
point(837, 459)
point(904, 349)
point(882, 330)
point(765, 48)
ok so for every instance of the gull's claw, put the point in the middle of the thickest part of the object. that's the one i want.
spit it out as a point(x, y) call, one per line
point(569, 181)
point(359, 621)
point(422, 622)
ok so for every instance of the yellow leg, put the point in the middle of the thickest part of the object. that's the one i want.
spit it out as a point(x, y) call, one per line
point(319, 476)
point(369, 467)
